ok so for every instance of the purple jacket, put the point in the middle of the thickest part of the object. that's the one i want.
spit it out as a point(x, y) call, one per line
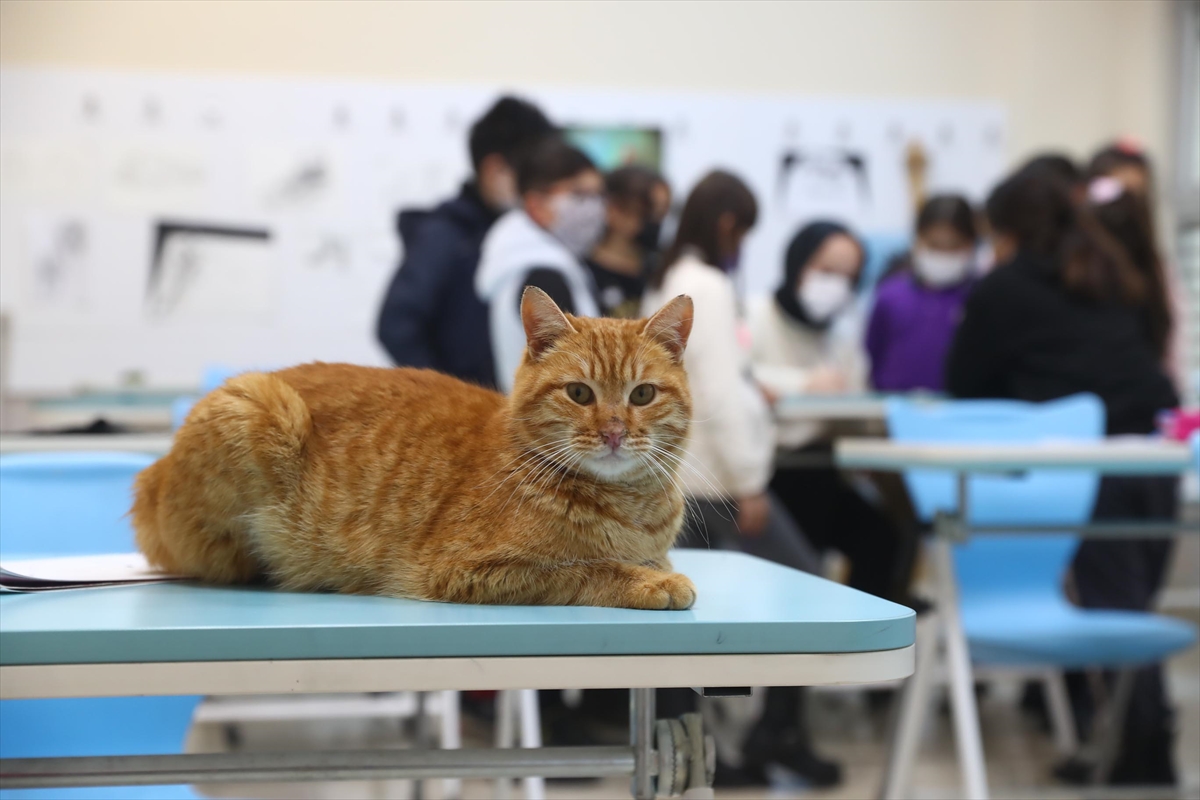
point(910, 332)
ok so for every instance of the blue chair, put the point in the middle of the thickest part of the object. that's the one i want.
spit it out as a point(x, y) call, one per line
point(882, 247)
point(1014, 611)
point(58, 504)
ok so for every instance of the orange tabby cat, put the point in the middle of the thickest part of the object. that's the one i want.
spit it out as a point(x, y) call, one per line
point(410, 483)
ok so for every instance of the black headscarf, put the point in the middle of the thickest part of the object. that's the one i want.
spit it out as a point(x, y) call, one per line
point(801, 250)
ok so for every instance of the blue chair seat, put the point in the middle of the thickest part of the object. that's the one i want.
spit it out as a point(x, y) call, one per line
point(104, 793)
point(1061, 635)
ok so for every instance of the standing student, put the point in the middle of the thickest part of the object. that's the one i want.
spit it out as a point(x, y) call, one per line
point(431, 316)
point(917, 307)
point(798, 350)
point(637, 199)
point(731, 449)
point(1064, 312)
point(541, 243)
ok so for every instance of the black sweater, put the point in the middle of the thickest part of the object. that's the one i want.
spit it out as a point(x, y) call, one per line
point(1024, 337)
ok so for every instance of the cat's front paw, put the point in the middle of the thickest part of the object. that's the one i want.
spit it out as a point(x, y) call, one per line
point(662, 590)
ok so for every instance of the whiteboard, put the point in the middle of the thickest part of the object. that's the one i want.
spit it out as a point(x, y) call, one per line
point(118, 190)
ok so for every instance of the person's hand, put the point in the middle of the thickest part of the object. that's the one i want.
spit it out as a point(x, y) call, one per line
point(752, 514)
point(769, 394)
point(827, 380)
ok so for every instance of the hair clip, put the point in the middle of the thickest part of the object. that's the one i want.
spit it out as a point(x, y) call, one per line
point(1104, 190)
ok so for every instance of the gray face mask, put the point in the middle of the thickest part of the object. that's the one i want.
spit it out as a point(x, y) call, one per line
point(578, 221)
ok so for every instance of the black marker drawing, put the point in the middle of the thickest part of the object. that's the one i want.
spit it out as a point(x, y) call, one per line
point(305, 183)
point(824, 168)
point(59, 262)
point(181, 254)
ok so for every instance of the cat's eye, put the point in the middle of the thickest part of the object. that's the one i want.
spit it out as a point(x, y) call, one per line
point(641, 395)
point(580, 392)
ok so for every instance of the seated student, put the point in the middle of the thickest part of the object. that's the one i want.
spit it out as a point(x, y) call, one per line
point(431, 316)
point(560, 218)
point(637, 200)
point(796, 352)
point(1069, 310)
point(918, 305)
point(727, 466)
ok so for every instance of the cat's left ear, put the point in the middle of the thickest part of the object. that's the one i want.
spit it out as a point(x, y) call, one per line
point(544, 323)
point(671, 325)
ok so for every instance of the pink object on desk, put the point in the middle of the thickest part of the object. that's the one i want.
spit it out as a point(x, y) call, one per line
point(1178, 424)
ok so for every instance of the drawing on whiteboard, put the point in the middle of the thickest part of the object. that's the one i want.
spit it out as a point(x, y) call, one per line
point(293, 180)
point(330, 251)
point(158, 179)
point(209, 270)
point(58, 257)
point(819, 173)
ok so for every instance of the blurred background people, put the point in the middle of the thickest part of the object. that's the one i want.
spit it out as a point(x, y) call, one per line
point(636, 199)
point(431, 316)
point(796, 352)
point(1069, 310)
point(727, 468)
point(542, 243)
point(918, 305)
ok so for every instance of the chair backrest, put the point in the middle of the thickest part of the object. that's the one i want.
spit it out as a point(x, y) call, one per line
point(1015, 561)
point(76, 504)
point(55, 504)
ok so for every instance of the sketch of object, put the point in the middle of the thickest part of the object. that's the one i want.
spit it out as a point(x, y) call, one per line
point(158, 172)
point(58, 254)
point(331, 251)
point(822, 172)
point(293, 180)
point(209, 271)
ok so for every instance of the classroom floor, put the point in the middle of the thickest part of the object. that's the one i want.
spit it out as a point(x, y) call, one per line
point(1019, 753)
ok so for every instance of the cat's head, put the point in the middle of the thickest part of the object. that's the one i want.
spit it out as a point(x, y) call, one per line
point(607, 397)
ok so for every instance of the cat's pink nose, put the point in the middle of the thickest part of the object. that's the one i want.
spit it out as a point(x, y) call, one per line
point(613, 435)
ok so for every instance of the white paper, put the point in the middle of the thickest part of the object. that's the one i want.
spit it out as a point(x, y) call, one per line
point(79, 571)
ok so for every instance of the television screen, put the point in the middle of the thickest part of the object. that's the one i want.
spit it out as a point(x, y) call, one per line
point(618, 146)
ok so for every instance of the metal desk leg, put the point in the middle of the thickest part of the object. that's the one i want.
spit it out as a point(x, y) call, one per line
point(531, 736)
point(962, 682)
point(641, 735)
point(505, 736)
point(912, 713)
point(451, 736)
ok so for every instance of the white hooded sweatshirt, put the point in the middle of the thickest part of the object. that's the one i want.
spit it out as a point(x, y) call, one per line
point(513, 247)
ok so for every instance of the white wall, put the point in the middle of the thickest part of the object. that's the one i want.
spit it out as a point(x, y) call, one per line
point(1072, 73)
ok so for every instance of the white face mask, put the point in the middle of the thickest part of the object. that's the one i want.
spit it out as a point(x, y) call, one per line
point(824, 294)
point(938, 268)
point(578, 221)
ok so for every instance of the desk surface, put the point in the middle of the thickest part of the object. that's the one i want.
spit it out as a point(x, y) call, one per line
point(745, 605)
point(1115, 456)
point(822, 408)
point(152, 443)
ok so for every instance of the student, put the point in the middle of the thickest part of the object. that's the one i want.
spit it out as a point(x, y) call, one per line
point(731, 448)
point(798, 350)
point(540, 243)
point(431, 316)
point(1126, 164)
point(637, 200)
point(1065, 312)
point(917, 307)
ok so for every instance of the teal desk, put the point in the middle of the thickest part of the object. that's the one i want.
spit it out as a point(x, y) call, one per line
point(754, 624)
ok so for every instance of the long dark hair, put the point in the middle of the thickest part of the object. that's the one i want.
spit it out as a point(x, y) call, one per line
point(948, 209)
point(1127, 218)
point(718, 193)
point(1037, 211)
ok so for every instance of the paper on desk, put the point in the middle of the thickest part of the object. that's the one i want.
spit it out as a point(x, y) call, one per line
point(76, 572)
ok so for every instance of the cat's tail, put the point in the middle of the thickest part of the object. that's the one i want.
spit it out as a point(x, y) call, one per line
point(261, 420)
point(241, 450)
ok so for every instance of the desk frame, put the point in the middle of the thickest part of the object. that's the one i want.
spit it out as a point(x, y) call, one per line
point(652, 745)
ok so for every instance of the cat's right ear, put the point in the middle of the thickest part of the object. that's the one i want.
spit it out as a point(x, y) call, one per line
point(671, 326)
point(544, 322)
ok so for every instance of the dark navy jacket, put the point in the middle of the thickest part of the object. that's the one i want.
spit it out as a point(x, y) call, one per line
point(431, 316)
